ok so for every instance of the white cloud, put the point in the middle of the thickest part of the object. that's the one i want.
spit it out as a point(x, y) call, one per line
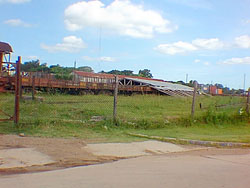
point(15, 1)
point(208, 44)
point(69, 44)
point(17, 23)
point(104, 59)
point(176, 48)
point(107, 59)
point(237, 61)
point(32, 57)
point(121, 16)
point(184, 47)
point(206, 63)
point(243, 41)
point(197, 61)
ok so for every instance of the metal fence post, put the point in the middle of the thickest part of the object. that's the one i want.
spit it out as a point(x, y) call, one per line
point(248, 101)
point(194, 98)
point(17, 90)
point(115, 98)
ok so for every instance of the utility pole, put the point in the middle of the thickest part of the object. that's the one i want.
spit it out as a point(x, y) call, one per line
point(186, 78)
point(244, 83)
point(75, 65)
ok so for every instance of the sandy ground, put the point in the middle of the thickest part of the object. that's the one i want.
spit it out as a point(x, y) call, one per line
point(29, 154)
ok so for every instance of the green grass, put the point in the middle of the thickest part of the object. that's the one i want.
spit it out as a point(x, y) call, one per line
point(71, 116)
point(226, 133)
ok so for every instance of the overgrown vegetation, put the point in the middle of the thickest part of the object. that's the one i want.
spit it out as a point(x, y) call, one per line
point(90, 117)
point(64, 73)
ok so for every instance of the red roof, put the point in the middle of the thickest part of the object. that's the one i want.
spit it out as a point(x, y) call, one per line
point(102, 75)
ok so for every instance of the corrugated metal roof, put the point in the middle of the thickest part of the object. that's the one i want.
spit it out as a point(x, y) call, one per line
point(162, 85)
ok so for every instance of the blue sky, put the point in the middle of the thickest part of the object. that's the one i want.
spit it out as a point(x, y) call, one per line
point(207, 39)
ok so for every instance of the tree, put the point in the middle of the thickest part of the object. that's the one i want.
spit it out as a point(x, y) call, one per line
point(145, 73)
point(30, 66)
point(219, 86)
point(61, 72)
point(85, 69)
point(127, 73)
point(117, 72)
point(181, 82)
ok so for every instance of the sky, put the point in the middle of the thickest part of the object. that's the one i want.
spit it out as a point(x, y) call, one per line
point(208, 40)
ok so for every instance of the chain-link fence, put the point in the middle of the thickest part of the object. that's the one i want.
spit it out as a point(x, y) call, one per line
point(61, 106)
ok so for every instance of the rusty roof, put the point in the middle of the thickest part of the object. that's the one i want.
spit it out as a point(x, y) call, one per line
point(5, 48)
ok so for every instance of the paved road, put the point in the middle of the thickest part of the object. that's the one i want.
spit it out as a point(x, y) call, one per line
point(229, 171)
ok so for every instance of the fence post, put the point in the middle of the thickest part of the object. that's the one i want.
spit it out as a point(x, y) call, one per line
point(115, 99)
point(33, 87)
point(21, 83)
point(194, 98)
point(1, 62)
point(248, 101)
point(17, 90)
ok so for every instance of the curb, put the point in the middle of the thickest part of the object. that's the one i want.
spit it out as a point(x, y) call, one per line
point(194, 142)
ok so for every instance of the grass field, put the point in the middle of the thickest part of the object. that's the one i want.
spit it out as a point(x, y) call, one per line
point(90, 117)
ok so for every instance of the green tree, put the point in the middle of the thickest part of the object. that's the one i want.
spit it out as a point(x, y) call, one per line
point(30, 66)
point(85, 69)
point(145, 73)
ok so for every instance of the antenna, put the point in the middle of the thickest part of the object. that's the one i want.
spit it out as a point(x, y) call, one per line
point(186, 78)
point(244, 82)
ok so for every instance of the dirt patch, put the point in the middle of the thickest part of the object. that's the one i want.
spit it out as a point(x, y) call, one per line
point(64, 152)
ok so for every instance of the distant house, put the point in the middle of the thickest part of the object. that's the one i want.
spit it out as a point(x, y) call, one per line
point(204, 88)
point(213, 90)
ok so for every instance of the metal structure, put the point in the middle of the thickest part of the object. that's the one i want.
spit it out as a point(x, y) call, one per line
point(9, 79)
point(85, 82)
point(160, 86)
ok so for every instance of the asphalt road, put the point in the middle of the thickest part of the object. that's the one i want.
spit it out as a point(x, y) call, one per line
point(192, 171)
